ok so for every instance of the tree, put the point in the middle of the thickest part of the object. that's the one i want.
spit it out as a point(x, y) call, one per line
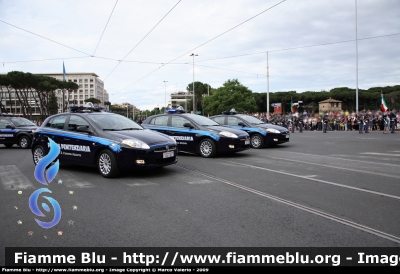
point(231, 95)
point(93, 100)
point(200, 90)
point(108, 104)
point(52, 105)
point(32, 90)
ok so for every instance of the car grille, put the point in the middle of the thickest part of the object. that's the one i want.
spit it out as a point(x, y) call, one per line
point(164, 148)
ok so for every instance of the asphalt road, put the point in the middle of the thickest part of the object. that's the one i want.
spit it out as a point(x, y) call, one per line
point(340, 189)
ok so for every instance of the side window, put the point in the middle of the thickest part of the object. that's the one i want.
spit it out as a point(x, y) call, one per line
point(160, 121)
point(220, 120)
point(178, 121)
point(76, 121)
point(57, 122)
point(4, 123)
point(233, 121)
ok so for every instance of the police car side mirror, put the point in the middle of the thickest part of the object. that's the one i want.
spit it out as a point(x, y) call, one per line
point(84, 129)
point(189, 125)
point(10, 126)
point(241, 124)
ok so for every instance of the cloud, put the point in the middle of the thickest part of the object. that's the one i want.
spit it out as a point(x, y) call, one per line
point(156, 47)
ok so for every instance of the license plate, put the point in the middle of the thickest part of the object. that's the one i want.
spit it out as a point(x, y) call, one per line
point(168, 154)
point(247, 142)
point(287, 136)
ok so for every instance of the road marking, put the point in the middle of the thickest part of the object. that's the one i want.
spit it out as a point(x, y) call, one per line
point(332, 166)
point(141, 182)
point(200, 182)
point(302, 207)
point(13, 179)
point(383, 154)
point(72, 181)
point(320, 181)
point(351, 160)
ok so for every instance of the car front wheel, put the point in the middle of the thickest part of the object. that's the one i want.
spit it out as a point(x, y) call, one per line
point(38, 153)
point(256, 141)
point(207, 148)
point(24, 142)
point(107, 164)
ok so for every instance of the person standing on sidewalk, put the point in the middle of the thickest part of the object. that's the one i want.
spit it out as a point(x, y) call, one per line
point(366, 123)
point(300, 123)
point(393, 120)
point(325, 123)
point(386, 122)
point(360, 123)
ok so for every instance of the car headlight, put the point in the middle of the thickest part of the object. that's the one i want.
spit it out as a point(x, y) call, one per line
point(228, 134)
point(272, 130)
point(135, 143)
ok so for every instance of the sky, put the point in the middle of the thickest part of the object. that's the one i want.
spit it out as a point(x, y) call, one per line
point(142, 49)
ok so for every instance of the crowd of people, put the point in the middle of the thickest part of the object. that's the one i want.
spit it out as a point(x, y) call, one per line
point(364, 121)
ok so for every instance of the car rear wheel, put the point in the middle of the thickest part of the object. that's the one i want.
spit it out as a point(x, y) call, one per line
point(107, 164)
point(24, 142)
point(207, 148)
point(38, 153)
point(256, 141)
point(8, 145)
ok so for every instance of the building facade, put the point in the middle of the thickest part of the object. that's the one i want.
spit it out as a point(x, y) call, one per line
point(181, 98)
point(90, 86)
point(330, 105)
point(131, 110)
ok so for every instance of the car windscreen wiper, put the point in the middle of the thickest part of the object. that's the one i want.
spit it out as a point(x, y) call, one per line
point(131, 128)
point(109, 129)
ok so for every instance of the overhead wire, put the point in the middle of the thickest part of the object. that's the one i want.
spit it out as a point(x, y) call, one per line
point(262, 52)
point(143, 38)
point(105, 27)
point(299, 47)
point(45, 38)
point(206, 42)
point(206, 60)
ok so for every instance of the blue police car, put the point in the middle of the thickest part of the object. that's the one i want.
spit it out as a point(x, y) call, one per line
point(108, 141)
point(198, 134)
point(16, 130)
point(261, 134)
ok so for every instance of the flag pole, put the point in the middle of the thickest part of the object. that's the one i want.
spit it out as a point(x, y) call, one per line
point(63, 93)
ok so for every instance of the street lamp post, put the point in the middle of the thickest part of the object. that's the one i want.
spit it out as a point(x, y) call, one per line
point(356, 62)
point(165, 83)
point(267, 88)
point(194, 97)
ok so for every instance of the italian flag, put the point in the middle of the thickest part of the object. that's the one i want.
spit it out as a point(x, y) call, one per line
point(384, 106)
point(293, 107)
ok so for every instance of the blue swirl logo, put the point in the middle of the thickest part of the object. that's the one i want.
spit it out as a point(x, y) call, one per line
point(44, 176)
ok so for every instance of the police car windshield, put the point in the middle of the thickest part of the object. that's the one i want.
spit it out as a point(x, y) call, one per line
point(252, 120)
point(22, 122)
point(114, 122)
point(203, 121)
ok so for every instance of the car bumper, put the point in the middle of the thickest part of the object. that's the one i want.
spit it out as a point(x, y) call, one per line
point(149, 158)
point(233, 144)
point(273, 138)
